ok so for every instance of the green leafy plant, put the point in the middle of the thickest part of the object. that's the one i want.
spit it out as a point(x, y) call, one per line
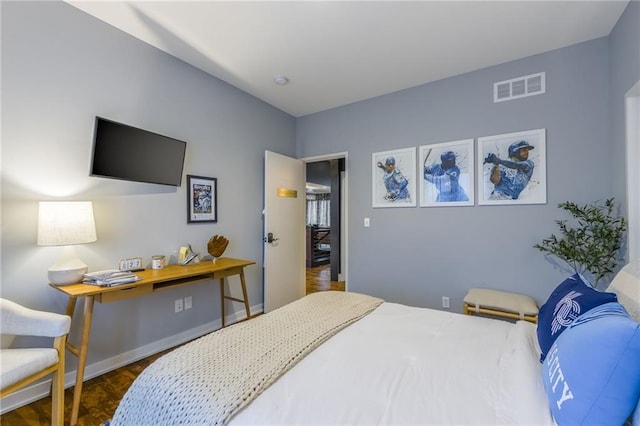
point(593, 243)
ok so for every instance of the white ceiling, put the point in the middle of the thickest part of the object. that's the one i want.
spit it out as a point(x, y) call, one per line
point(339, 52)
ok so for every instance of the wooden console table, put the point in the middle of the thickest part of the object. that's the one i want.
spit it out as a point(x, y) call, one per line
point(152, 280)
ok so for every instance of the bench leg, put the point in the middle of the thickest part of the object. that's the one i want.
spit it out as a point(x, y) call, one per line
point(465, 309)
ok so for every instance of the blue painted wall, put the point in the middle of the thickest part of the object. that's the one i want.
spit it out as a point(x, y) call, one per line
point(61, 67)
point(418, 255)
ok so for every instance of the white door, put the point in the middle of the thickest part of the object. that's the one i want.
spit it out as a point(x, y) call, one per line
point(284, 245)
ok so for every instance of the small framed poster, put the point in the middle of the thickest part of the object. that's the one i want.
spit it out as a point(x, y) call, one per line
point(447, 174)
point(202, 199)
point(394, 178)
point(512, 168)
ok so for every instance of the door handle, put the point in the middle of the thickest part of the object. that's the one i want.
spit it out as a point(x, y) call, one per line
point(269, 238)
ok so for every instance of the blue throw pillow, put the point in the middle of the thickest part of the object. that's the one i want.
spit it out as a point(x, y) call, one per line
point(635, 421)
point(570, 299)
point(592, 374)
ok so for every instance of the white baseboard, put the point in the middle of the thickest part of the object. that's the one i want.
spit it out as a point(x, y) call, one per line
point(41, 389)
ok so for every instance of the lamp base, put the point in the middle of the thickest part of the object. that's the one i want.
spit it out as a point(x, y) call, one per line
point(69, 269)
point(70, 276)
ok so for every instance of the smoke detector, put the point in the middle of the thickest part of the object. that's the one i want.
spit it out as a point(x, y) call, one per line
point(281, 80)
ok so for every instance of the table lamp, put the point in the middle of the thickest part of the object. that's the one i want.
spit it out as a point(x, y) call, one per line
point(66, 223)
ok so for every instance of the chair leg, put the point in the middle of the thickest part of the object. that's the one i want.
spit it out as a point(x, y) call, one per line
point(57, 385)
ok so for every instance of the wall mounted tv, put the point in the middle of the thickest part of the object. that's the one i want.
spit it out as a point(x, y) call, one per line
point(125, 152)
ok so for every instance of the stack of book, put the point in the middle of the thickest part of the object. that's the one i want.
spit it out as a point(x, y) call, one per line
point(109, 277)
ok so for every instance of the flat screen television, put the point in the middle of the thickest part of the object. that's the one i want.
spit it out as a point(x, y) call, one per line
point(128, 153)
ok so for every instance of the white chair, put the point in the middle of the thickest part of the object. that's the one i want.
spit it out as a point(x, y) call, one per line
point(20, 367)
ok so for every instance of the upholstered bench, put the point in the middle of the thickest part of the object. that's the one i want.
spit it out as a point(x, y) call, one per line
point(501, 304)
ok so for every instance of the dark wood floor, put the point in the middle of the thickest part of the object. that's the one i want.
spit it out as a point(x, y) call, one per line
point(319, 279)
point(101, 395)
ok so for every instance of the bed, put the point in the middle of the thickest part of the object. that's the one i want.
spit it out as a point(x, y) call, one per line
point(354, 359)
point(405, 365)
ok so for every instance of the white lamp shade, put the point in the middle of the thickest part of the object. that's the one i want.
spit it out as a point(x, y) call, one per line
point(62, 223)
point(66, 223)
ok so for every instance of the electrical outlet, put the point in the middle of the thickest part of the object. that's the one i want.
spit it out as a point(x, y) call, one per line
point(178, 305)
point(188, 302)
point(445, 302)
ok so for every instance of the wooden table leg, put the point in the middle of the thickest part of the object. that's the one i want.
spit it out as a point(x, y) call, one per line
point(244, 300)
point(71, 306)
point(244, 294)
point(87, 318)
point(222, 299)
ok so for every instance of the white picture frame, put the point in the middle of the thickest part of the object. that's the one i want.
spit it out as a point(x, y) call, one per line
point(393, 178)
point(522, 181)
point(447, 173)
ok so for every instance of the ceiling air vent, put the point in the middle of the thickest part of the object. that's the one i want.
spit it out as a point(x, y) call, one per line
point(520, 87)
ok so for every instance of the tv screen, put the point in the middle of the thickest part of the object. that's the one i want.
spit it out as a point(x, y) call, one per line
point(125, 152)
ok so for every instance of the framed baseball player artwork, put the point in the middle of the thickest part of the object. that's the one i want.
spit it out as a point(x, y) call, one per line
point(446, 174)
point(394, 178)
point(512, 168)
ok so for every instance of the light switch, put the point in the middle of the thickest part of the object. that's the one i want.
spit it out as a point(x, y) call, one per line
point(367, 223)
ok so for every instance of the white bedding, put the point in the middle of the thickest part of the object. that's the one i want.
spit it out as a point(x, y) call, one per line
point(403, 365)
point(208, 380)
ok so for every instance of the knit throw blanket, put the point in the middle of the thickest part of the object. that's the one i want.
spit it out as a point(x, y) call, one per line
point(210, 379)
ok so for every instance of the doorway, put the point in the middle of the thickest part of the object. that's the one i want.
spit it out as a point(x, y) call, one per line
point(325, 222)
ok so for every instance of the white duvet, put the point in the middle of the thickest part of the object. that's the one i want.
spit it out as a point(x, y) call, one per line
point(413, 366)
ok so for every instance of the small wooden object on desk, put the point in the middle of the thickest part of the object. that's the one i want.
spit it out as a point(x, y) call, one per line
point(152, 280)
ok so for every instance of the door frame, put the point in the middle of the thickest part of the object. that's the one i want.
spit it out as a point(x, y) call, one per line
point(632, 153)
point(344, 210)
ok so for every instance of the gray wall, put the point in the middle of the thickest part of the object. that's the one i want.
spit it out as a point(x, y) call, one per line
point(417, 255)
point(624, 54)
point(60, 68)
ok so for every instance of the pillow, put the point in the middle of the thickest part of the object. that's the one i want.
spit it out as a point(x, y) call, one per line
point(592, 373)
point(635, 421)
point(626, 285)
point(571, 298)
